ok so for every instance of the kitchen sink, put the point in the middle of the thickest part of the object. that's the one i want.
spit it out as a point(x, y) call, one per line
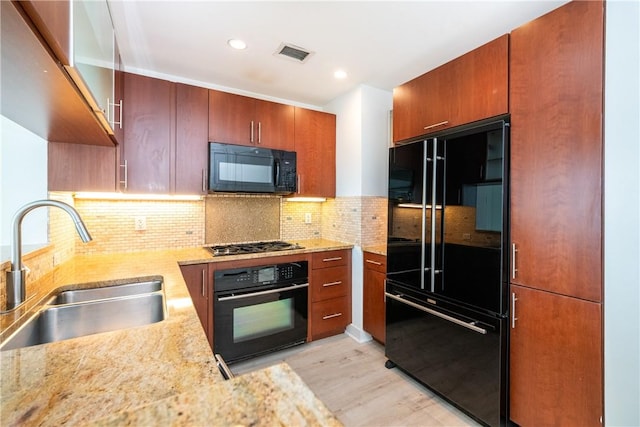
point(84, 295)
point(76, 313)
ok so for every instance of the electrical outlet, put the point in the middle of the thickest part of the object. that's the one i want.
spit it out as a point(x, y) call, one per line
point(140, 223)
point(307, 218)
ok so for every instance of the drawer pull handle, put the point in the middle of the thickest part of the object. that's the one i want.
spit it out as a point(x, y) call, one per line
point(338, 258)
point(373, 262)
point(331, 316)
point(446, 122)
point(514, 270)
point(332, 283)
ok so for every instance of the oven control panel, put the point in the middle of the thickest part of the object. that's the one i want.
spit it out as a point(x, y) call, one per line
point(250, 277)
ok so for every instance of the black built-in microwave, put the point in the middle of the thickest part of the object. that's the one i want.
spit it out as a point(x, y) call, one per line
point(248, 169)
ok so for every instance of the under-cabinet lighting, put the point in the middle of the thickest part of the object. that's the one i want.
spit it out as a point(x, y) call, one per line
point(306, 199)
point(129, 196)
point(416, 206)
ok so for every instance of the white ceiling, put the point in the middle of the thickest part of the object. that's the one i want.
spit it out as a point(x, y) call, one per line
point(378, 43)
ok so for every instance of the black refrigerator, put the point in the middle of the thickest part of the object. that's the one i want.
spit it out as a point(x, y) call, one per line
point(447, 266)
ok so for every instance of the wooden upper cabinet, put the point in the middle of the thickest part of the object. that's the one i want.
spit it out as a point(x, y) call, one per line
point(192, 106)
point(46, 103)
point(275, 128)
point(80, 167)
point(472, 87)
point(555, 360)
point(53, 20)
point(236, 119)
point(556, 95)
point(315, 137)
point(149, 135)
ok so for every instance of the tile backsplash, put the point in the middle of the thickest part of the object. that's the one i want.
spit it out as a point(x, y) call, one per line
point(168, 224)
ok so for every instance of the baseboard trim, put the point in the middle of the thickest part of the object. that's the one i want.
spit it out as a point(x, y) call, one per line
point(357, 334)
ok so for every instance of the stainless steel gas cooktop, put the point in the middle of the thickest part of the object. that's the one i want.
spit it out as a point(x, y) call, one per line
point(252, 248)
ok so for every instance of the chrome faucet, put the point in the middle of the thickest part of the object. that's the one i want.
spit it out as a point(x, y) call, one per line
point(16, 283)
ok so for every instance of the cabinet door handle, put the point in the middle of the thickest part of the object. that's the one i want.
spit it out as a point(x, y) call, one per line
point(514, 270)
point(338, 258)
point(204, 180)
point(435, 125)
point(513, 310)
point(126, 177)
point(259, 132)
point(204, 280)
point(370, 261)
point(251, 132)
point(331, 316)
point(114, 105)
point(332, 283)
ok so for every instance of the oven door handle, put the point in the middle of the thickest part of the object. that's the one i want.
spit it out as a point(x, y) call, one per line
point(270, 291)
point(438, 314)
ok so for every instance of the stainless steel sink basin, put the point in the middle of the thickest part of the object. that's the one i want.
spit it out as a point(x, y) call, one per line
point(83, 295)
point(125, 307)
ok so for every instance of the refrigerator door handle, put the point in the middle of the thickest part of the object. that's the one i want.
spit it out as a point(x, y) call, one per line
point(469, 325)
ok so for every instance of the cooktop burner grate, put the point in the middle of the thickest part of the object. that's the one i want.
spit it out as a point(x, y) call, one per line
point(252, 248)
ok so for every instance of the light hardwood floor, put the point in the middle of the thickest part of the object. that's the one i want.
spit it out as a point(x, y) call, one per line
point(350, 378)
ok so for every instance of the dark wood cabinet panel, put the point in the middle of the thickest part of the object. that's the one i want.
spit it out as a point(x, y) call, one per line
point(315, 145)
point(196, 276)
point(330, 282)
point(556, 375)
point(330, 317)
point(275, 126)
point(556, 94)
point(236, 119)
point(373, 301)
point(53, 20)
point(79, 167)
point(230, 117)
point(192, 107)
point(471, 87)
point(149, 135)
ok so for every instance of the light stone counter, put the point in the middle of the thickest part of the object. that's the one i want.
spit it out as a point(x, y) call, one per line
point(163, 373)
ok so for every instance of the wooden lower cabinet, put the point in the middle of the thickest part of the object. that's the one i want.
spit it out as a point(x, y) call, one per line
point(374, 275)
point(197, 278)
point(329, 293)
point(556, 360)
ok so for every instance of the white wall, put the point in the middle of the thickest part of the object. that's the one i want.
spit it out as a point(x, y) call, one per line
point(23, 173)
point(622, 215)
point(362, 139)
point(376, 104)
point(347, 109)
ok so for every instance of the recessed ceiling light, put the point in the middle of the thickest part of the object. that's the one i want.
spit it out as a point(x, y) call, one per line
point(237, 44)
point(340, 74)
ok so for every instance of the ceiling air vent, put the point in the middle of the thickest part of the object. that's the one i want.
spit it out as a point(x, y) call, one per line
point(292, 52)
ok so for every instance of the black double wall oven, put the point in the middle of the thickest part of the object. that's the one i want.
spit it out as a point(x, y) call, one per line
point(447, 285)
point(260, 309)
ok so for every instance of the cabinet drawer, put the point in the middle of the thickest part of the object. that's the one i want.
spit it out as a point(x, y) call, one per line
point(329, 259)
point(375, 262)
point(330, 317)
point(330, 283)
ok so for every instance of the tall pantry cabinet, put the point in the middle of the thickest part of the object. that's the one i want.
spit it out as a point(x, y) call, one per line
point(556, 98)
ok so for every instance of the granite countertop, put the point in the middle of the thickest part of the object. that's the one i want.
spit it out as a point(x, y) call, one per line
point(376, 249)
point(163, 373)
